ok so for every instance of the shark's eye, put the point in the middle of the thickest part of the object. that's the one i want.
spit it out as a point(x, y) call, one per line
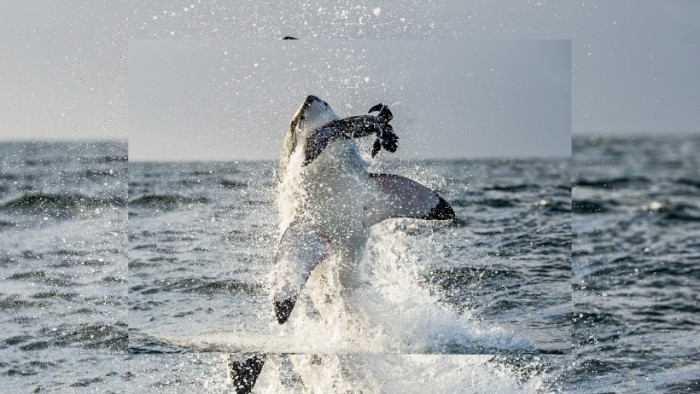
point(302, 117)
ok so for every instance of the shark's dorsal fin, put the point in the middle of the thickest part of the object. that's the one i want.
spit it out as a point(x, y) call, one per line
point(400, 197)
point(299, 252)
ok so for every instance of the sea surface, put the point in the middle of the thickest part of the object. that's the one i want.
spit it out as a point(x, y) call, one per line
point(202, 240)
point(636, 264)
point(141, 277)
point(63, 265)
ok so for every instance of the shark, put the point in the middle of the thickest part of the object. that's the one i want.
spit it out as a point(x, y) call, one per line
point(328, 201)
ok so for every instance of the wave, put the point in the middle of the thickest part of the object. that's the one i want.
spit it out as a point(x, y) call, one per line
point(229, 184)
point(677, 216)
point(196, 173)
point(9, 177)
point(513, 188)
point(487, 202)
point(689, 182)
point(204, 286)
point(611, 183)
point(34, 201)
point(112, 159)
point(37, 162)
point(91, 336)
point(15, 302)
point(165, 201)
point(450, 279)
point(99, 173)
point(555, 207)
point(585, 207)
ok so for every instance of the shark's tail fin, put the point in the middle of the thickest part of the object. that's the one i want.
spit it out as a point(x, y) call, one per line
point(243, 370)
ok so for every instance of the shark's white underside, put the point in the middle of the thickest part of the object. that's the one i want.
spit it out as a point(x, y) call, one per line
point(328, 204)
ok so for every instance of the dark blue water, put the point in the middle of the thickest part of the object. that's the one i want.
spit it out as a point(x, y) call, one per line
point(636, 271)
point(74, 286)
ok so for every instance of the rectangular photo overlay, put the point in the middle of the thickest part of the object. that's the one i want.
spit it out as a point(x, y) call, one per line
point(350, 197)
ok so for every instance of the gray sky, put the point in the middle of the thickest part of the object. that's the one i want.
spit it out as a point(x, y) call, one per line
point(216, 100)
point(63, 64)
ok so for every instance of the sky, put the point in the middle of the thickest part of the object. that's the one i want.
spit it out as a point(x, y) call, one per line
point(190, 100)
point(65, 64)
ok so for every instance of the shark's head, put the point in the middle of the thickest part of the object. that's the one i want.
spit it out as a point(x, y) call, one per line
point(312, 114)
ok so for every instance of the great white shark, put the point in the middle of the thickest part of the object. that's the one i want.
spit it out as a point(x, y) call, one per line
point(328, 201)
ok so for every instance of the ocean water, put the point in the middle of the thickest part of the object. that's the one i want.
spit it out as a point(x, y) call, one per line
point(63, 263)
point(636, 271)
point(141, 277)
point(202, 240)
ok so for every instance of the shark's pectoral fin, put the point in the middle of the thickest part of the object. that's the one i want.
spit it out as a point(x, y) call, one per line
point(400, 197)
point(442, 211)
point(298, 253)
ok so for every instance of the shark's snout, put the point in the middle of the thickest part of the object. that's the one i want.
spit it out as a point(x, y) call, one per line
point(311, 99)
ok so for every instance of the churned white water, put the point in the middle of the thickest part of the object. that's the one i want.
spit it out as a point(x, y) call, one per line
point(483, 284)
point(201, 243)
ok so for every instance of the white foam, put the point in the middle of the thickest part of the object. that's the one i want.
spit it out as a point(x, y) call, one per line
point(392, 374)
point(389, 312)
